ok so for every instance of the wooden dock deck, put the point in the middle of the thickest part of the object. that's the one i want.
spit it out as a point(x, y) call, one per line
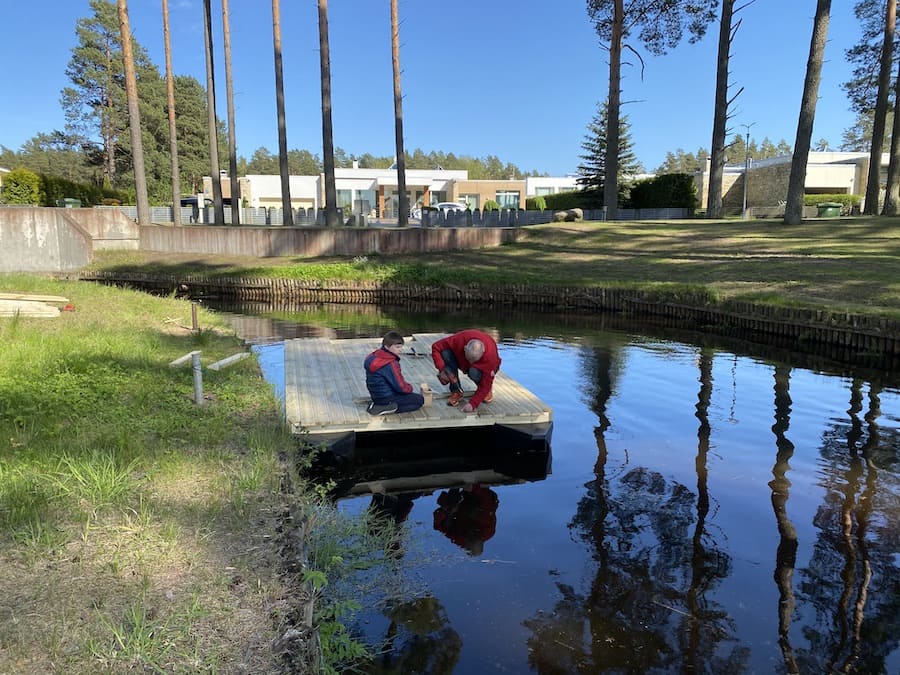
point(326, 396)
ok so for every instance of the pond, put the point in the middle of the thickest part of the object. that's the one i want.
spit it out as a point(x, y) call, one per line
point(710, 506)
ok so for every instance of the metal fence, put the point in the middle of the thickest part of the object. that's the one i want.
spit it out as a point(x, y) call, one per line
point(316, 217)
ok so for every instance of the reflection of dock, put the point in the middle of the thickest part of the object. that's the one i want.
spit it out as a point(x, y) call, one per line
point(433, 461)
point(326, 397)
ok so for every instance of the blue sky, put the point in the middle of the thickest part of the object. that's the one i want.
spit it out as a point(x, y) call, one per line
point(519, 79)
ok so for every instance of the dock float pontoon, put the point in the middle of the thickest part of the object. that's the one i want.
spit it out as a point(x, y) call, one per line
point(326, 397)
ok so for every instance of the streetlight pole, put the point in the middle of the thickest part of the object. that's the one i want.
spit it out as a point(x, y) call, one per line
point(746, 168)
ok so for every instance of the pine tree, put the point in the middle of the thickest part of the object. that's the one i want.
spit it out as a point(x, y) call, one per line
point(96, 104)
point(659, 26)
point(592, 170)
point(97, 111)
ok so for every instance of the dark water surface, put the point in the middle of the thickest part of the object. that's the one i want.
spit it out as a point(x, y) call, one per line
point(711, 506)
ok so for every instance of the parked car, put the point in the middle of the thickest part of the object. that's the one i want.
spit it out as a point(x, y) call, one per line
point(192, 201)
point(449, 206)
point(443, 207)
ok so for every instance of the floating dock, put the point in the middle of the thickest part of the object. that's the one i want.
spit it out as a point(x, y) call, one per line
point(326, 397)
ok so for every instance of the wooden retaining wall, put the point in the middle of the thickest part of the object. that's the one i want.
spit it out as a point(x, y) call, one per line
point(858, 332)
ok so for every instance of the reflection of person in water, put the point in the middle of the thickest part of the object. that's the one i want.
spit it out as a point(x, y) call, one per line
point(468, 516)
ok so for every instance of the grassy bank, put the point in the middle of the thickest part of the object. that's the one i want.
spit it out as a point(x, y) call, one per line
point(137, 529)
point(847, 264)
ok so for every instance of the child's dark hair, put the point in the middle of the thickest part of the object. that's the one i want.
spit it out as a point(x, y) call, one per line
point(391, 338)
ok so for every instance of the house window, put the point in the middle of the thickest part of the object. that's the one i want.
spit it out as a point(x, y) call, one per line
point(364, 202)
point(508, 199)
point(344, 199)
point(470, 200)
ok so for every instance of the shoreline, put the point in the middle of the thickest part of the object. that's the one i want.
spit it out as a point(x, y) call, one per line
point(866, 333)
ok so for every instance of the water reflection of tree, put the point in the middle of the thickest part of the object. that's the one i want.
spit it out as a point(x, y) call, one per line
point(786, 555)
point(854, 628)
point(419, 639)
point(648, 606)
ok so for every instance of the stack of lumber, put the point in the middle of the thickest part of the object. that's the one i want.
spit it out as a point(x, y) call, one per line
point(30, 305)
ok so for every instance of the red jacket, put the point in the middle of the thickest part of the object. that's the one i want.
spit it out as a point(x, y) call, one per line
point(488, 364)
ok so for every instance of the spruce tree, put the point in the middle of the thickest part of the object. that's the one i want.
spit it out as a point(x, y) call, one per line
point(592, 170)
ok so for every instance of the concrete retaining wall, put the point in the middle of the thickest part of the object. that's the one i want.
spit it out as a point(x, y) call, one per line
point(108, 226)
point(264, 242)
point(42, 240)
point(55, 240)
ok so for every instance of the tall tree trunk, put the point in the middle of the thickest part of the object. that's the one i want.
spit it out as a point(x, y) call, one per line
point(173, 137)
point(331, 214)
point(232, 138)
point(288, 218)
point(873, 183)
point(134, 117)
point(215, 177)
point(403, 204)
point(106, 127)
point(611, 176)
point(793, 210)
point(720, 113)
point(892, 190)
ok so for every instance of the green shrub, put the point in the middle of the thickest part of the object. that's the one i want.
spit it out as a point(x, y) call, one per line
point(21, 186)
point(670, 190)
point(491, 205)
point(55, 188)
point(844, 200)
point(575, 199)
point(536, 203)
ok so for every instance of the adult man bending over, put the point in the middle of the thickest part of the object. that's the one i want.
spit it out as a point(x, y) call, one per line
point(474, 353)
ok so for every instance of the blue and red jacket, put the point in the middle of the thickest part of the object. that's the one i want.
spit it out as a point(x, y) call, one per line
point(383, 377)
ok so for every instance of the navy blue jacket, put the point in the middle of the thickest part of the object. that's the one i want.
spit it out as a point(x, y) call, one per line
point(383, 377)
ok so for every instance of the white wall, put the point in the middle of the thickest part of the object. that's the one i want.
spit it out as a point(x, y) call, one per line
point(555, 183)
point(265, 191)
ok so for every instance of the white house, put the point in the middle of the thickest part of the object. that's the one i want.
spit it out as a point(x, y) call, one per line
point(537, 186)
point(375, 191)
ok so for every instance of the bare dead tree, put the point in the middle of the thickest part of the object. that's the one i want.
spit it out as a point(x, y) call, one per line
point(727, 30)
point(613, 105)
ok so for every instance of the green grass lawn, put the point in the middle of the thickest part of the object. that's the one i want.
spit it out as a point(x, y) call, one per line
point(136, 528)
point(141, 532)
point(846, 264)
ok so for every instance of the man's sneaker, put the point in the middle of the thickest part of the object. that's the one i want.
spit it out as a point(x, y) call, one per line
point(489, 397)
point(382, 409)
point(454, 399)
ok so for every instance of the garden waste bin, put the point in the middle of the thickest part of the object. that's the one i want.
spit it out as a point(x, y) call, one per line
point(828, 209)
